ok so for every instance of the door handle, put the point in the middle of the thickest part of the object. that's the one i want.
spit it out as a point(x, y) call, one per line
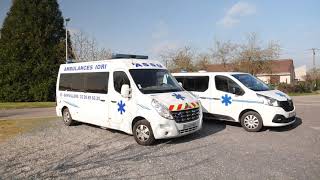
point(102, 100)
point(114, 101)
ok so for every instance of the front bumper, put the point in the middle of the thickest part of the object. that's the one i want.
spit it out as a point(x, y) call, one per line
point(171, 129)
point(278, 117)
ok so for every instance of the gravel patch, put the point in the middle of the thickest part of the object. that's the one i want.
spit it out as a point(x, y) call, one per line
point(219, 151)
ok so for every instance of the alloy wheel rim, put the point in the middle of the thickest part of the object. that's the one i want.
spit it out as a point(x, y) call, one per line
point(66, 117)
point(251, 121)
point(142, 133)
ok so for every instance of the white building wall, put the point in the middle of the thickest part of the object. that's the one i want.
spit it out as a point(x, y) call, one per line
point(301, 73)
point(265, 79)
point(285, 79)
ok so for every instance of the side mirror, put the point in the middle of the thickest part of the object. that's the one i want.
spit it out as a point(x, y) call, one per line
point(237, 91)
point(180, 83)
point(125, 91)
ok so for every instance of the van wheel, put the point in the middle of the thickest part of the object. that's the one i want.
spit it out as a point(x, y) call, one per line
point(251, 121)
point(67, 119)
point(142, 133)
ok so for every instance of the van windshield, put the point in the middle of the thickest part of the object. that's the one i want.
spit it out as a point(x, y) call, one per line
point(151, 81)
point(252, 82)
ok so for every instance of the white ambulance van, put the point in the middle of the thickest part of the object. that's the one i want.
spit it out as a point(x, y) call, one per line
point(239, 97)
point(128, 93)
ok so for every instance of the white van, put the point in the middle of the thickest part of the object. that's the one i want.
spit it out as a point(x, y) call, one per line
point(136, 96)
point(239, 97)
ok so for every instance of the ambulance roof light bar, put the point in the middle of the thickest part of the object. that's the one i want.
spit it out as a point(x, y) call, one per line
point(128, 56)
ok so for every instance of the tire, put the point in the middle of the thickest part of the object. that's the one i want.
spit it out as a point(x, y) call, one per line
point(251, 121)
point(66, 117)
point(143, 133)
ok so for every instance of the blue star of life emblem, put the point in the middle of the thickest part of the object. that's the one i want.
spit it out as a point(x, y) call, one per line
point(121, 106)
point(226, 100)
point(178, 96)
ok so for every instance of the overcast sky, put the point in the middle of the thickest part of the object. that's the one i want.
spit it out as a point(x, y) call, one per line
point(150, 27)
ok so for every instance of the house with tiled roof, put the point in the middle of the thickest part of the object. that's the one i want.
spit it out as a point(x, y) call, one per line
point(279, 71)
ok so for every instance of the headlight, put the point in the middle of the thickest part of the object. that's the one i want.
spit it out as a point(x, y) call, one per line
point(268, 100)
point(161, 109)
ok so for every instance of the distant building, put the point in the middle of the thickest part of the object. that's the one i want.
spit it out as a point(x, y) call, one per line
point(301, 73)
point(281, 71)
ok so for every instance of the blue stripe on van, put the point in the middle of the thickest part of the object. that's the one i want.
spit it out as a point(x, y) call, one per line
point(234, 100)
point(247, 101)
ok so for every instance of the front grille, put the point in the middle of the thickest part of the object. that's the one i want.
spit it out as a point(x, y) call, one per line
point(287, 105)
point(186, 130)
point(186, 115)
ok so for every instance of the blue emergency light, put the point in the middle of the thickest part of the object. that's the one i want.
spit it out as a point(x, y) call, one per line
point(128, 56)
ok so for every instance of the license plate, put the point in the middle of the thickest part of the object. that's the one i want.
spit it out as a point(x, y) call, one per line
point(292, 114)
point(185, 126)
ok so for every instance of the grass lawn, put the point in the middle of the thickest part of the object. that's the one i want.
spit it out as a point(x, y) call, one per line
point(13, 127)
point(19, 105)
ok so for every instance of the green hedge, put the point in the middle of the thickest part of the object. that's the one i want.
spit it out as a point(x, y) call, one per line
point(299, 87)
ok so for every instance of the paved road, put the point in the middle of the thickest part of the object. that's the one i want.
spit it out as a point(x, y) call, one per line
point(27, 113)
point(219, 151)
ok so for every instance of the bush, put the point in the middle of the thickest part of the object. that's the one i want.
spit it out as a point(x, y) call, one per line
point(300, 87)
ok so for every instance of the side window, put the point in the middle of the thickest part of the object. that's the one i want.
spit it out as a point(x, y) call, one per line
point(71, 82)
point(65, 82)
point(226, 84)
point(84, 82)
point(78, 82)
point(180, 80)
point(221, 83)
point(194, 83)
point(97, 82)
point(120, 78)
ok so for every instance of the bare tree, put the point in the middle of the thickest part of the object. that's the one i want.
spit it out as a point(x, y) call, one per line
point(253, 57)
point(86, 48)
point(179, 60)
point(224, 52)
point(202, 61)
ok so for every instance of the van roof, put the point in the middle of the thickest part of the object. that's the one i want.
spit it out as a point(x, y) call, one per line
point(206, 73)
point(112, 64)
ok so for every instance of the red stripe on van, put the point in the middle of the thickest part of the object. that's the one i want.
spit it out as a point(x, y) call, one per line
point(179, 107)
point(171, 107)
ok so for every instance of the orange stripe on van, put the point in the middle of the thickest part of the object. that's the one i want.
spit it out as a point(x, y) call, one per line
point(184, 106)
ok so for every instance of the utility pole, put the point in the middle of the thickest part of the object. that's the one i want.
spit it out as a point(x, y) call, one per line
point(314, 56)
point(67, 20)
point(314, 63)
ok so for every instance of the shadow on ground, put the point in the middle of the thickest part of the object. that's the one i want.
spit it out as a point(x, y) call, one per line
point(209, 127)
